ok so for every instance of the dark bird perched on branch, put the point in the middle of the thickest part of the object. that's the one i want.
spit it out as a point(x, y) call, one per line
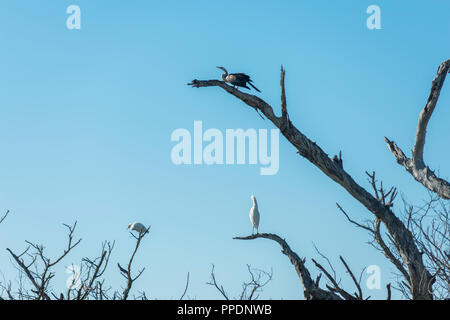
point(237, 79)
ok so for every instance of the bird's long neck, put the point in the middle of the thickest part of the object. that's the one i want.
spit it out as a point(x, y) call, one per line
point(224, 76)
point(255, 204)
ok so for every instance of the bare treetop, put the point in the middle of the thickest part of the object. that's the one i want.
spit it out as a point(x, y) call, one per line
point(416, 165)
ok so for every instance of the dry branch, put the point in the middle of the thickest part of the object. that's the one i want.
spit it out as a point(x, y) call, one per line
point(416, 165)
point(41, 279)
point(311, 291)
point(185, 288)
point(126, 273)
point(4, 216)
point(250, 289)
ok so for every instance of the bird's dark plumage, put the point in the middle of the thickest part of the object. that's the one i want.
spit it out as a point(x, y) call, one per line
point(238, 79)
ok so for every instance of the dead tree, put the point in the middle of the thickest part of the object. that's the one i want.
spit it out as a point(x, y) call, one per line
point(35, 267)
point(430, 225)
point(39, 267)
point(86, 282)
point(311, 288)
point(91, 284)
point(416, 165)
point(126, 272)
point(409, 261)
point(250, 289)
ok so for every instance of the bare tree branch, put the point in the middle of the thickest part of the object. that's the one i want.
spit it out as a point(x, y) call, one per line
point(311, 292)
point(250, 289)
point(28, 273)
point(357, 284)
point(430, 226)
point(284, 113)
point(95, 270)
point(127, 272)
point(214, 283)
point(332, 278)
point(388, 288)
point(387, 252)
point(416, 165)
point(354, 222)
point(41, 279)
point(256, 283)
point(186, 288)
point(4, 216)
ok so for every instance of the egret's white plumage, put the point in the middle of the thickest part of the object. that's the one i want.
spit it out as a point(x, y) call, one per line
point(137, 226)
point(254, 214)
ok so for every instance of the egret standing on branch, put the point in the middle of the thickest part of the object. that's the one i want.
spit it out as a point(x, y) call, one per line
point(254, 214)
point(237, 79)
point(139, 227)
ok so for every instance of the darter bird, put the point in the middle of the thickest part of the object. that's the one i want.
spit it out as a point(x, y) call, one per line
point(237, 79)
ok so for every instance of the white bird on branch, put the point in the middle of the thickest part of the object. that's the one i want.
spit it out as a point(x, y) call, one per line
point(137, 226)
point(254, 214)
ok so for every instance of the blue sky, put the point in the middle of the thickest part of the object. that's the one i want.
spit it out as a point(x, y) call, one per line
point(86, 117)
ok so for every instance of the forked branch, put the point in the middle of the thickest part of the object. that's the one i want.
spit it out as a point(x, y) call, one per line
point(126, 272)
point(416, 165)
point(311, 290)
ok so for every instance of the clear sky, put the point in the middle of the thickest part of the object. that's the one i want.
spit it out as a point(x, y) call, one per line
point(86, 118)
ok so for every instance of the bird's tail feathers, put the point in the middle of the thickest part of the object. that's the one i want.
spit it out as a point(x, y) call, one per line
point(254, 87)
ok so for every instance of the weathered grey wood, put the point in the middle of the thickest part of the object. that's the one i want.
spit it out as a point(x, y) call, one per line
point(311, 289)
point(415, 165)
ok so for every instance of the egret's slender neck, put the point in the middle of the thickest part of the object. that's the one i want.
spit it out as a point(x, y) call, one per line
point(255, 204)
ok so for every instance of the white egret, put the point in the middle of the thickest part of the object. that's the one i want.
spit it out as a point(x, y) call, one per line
point(137, 226)
point(254, 214)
